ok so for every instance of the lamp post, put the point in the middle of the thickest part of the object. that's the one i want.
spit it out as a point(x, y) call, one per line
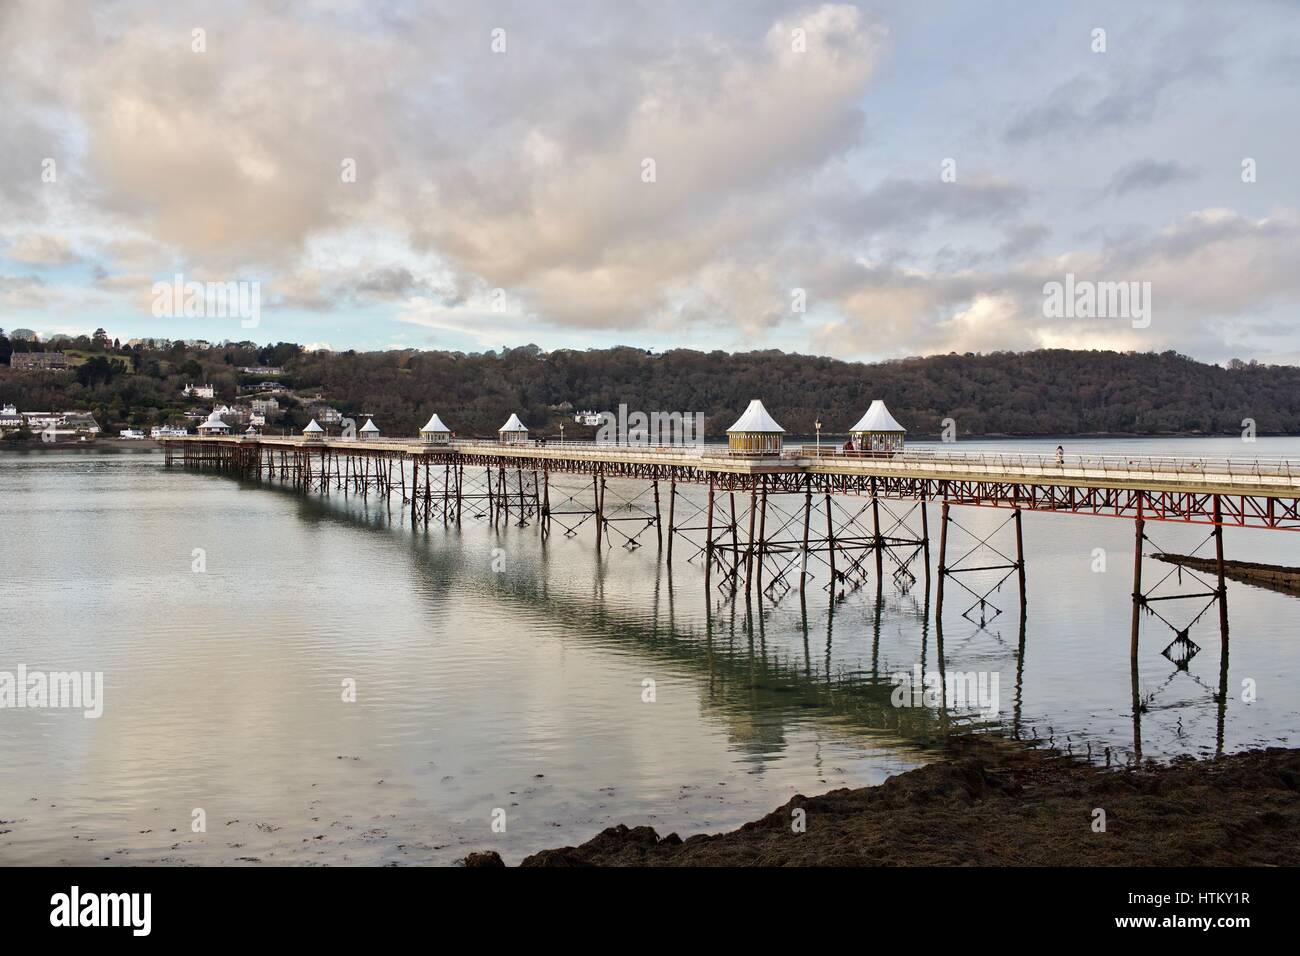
point(561, 433)
point(818, 425)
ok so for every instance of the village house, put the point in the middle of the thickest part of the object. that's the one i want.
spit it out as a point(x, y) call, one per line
point(234, 414)
point(10, 418)
point(58, 425)
point(37, 421)
point(325, 414)
point(197, 391)
point(81, 423)
point(39, 361)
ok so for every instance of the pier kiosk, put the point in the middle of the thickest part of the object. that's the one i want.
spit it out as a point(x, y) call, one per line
point(435, 432)
point(755, 432)
point(878, 431)
point(513, 432)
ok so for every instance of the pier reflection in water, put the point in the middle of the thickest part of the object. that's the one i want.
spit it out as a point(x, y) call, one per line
point(498, 669)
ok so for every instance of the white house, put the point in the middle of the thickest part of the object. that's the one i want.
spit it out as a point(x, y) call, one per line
point(326, 414)
point(197, 391)
point(37, 421)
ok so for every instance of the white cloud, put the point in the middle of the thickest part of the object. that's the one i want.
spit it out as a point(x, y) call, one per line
point(775, 169)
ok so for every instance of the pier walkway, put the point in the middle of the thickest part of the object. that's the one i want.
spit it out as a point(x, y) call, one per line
point(1240, 492)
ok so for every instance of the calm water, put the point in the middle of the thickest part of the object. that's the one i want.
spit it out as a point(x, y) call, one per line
point(497, 671)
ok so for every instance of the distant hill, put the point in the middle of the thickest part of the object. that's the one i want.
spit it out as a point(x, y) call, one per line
point(1049, 392)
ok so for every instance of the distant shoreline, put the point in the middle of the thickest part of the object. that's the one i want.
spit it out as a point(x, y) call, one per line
point(102, 446)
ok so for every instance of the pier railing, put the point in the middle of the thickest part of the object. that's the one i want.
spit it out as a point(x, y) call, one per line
point(1275, 472)
point(1108, 464)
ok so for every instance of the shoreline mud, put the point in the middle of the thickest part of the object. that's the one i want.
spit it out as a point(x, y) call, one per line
point(991, 805)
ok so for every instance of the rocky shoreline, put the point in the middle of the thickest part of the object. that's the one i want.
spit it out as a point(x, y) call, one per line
point(990, 805)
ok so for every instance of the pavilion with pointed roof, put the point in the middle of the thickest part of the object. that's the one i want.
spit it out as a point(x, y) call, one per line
point(435, 432)
point(214, 425)
point(369, 429)
point(313, 432)
point(755, 432)
point(513, 432)
point(878, 430)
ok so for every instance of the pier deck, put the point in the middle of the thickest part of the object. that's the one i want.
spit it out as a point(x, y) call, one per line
point(1255, 492)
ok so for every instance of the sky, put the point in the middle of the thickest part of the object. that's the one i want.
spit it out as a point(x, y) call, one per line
point(867, 181)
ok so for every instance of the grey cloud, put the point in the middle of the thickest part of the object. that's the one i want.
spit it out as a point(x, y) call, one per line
point(1084, 105)
point(1147, 174)
point(913, 204)
point(391, 283)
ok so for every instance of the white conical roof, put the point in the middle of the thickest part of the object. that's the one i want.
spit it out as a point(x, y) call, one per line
point(756, 419)
point(513, 425)
point(214, 419)
point(312, 428)
point(877, 419)
point(435, 425)
point(369, 428)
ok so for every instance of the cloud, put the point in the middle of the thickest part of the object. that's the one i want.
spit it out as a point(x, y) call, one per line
point(40, 249)
point(777, 167)
point(1192, 306)
point(1121, 96)
point(1146, 174)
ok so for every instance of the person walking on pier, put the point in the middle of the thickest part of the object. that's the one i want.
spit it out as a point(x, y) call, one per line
point(1060, 455)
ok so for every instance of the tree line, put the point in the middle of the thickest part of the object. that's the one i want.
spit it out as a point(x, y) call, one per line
point(1039, 393)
